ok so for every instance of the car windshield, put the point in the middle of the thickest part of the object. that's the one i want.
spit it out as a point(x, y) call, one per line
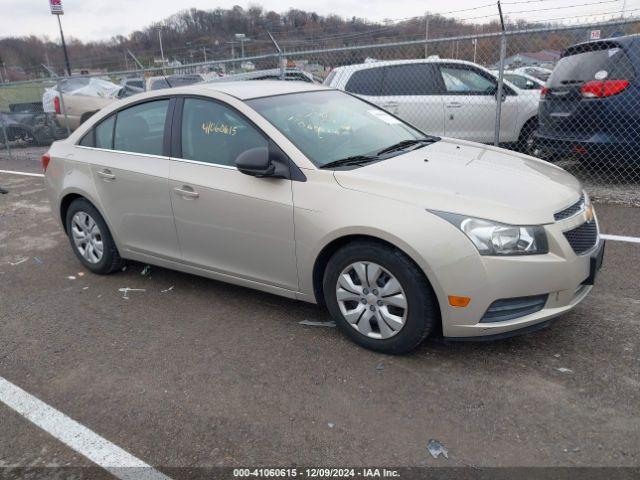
point(327, 125)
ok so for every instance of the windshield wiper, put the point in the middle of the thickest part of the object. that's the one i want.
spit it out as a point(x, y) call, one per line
point(354, 160)
point(407, 143)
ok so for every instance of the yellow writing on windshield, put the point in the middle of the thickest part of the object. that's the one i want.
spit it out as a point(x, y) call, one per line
point(222, 128)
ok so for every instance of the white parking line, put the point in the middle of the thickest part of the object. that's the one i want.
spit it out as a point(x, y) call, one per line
point(26, 174)
point(621, 238)
point(97, 449)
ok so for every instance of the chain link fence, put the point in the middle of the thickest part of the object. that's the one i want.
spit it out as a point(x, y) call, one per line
point(575, 106)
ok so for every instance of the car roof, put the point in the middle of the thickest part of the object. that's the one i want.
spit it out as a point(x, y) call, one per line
point(386, 63)
point(624, 41)
point(248, 89)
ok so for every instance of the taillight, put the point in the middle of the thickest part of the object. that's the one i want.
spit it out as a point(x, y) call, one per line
point(543, 92)
point(601, 89)
point(56, 105)
point(46, 158)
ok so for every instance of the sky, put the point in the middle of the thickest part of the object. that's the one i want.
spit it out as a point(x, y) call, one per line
point(102, 19)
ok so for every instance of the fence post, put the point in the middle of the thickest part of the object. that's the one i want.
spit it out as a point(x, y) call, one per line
point(64, 109)
point(503, 52)
point(6, 140)
point(500, 89)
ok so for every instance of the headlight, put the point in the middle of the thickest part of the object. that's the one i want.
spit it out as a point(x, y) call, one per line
point(493, 238)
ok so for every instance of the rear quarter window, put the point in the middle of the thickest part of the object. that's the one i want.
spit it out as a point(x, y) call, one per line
point(366, 82)
point(330, 77)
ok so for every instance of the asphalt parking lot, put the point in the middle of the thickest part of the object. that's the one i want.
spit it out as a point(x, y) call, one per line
point(186, 371)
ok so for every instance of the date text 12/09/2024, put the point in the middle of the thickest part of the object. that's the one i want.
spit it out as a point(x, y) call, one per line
point(315, 472)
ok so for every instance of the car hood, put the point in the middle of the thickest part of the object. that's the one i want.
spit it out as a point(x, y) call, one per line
point(471, 179)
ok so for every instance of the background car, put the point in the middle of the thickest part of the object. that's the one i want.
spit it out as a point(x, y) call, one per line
point(589, 107)
point(521, 81)
point(83, 96)
point(443, 97)
point(171, 81)
point(540, 73)
point(135, 82)
point(290, 74)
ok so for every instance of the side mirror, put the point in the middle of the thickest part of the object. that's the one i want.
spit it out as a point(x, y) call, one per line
point(256, 162)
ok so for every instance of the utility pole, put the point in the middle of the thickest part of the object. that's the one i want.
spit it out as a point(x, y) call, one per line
point(161, 51)
point(426, 35)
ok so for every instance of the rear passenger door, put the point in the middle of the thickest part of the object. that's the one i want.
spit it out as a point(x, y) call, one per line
point(412, 92)
point(229, 222)
point(130, 165)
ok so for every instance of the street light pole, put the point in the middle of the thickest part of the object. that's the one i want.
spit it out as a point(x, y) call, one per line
point(64, 47)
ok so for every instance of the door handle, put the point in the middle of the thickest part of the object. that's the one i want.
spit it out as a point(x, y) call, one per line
point(186, 192)
point(454, 105)
point(106, 175)
point(392, 106)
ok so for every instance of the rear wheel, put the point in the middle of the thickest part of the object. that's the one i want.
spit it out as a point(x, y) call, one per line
point(379, 297)
point(90, 238)
point(527, 139)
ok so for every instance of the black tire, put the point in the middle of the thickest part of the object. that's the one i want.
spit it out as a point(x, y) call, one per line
point(111, 260)
point(422, 313)
point(525, 144)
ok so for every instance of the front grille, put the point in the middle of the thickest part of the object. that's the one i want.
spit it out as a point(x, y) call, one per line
point(583, 238)
point(571, 210)
point(510, 308)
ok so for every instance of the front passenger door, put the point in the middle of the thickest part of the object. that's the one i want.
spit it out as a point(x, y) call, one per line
point(470, 105)
point(229, 222)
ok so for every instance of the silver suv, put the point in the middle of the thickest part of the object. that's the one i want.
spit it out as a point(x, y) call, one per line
point(443, 97)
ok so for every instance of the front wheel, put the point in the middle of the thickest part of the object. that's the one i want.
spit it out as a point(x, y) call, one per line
point(379, 297)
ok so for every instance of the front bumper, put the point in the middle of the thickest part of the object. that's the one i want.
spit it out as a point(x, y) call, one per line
point(565, 277)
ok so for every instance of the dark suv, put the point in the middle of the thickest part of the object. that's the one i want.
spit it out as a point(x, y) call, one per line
point(589, 107)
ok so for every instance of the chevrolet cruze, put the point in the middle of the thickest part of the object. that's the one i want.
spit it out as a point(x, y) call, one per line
point(313, 194)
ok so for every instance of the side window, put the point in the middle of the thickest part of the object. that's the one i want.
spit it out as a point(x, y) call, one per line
point(366, 82)
point(104, 133)
point(87, 140)
point(140, 129)
point(216, 134)
point(416, 79)
point(466, 80)
point(517, 80)
point(329, 79)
